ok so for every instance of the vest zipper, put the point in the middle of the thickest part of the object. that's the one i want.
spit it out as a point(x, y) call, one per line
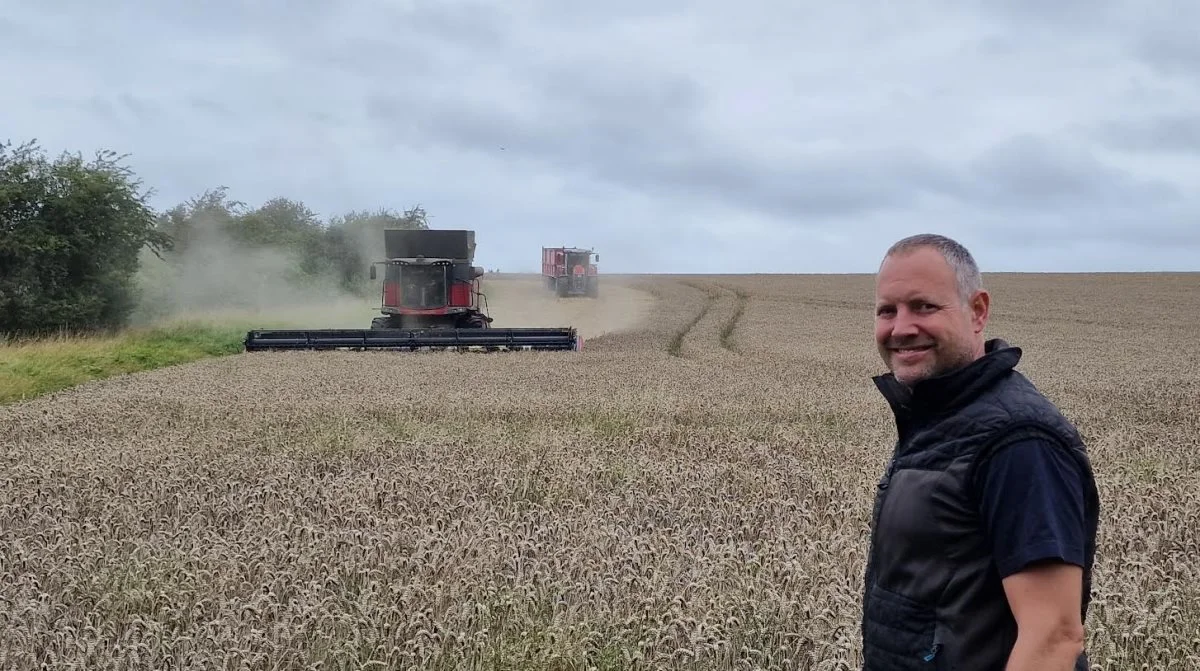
point(887, 474)
point(937, 644)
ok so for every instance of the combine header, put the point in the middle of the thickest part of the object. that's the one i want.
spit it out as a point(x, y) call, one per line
point(571, 271)
point(431, 300)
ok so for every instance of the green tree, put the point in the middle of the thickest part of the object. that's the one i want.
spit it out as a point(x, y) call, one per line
point(279, 222)
point(280, 241)
point(207, 216)
point(70, 236)
point(355, 239)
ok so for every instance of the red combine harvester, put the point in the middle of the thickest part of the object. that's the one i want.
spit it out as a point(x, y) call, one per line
point(571, 271)
point(429, 281)
point(431, 299)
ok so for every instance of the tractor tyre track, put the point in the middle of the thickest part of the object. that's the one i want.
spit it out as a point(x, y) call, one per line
point(675, 345)
point(712, 327)
point(731, 324)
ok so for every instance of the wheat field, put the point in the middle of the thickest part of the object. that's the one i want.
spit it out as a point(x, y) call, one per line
point(691, 491)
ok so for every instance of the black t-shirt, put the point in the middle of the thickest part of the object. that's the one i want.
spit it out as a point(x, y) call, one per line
point(1032, 504)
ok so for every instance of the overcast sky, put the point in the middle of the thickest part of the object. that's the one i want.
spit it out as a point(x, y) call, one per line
point(769, 136)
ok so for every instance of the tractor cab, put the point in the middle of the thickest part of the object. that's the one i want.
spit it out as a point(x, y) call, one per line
point(570, 271)
point(579, 261)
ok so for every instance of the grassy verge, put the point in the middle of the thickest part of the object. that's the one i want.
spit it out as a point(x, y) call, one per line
point(32, 368)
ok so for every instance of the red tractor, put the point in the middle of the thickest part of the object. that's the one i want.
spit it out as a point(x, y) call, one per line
point(431, 299)
point(571, 271)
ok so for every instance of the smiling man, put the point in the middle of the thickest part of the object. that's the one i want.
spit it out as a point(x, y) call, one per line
point(984, 527)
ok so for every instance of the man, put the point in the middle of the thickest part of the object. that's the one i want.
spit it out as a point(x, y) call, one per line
point(984, 526)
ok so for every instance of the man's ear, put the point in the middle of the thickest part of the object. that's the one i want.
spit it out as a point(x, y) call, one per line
point(980, 305)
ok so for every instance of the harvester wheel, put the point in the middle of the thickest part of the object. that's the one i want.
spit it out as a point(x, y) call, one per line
point(476, 321)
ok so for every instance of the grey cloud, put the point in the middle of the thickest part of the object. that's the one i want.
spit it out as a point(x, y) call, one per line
point(212, 107)
point(1076, 13)
point(1172, 49)
point(584, 119)
point(650, 139)
point(645, 127)
point(1160, 34)
point(1032, 191)
point(102, 108)
point(1171, 133)
point(1029, 173)
point(1165, 37)
point(673, 159)
point(843, 185)
point(643, 132)
point(365, 56)
point(476, 24)
point(398, 46)
point(141, 110)
point(1140, 233)
point(121, 110)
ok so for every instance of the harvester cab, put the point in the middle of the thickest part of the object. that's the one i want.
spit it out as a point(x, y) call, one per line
point(433, 293)
point(431, 299)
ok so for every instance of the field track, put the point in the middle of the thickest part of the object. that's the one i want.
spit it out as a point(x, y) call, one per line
point(690, 492)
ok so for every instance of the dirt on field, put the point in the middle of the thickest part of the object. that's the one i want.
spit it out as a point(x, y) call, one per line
point(691, 491)
point(511, 300)
point(523, 300)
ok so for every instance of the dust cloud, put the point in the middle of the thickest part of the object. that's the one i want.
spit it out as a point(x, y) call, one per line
point(216, 281)
point(522, 300)
point(219, 282)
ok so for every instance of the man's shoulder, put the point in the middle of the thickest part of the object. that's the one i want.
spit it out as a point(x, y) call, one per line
point(1034, 444)
point(1030, 453)
point(1034, 501)
point(1017, 402)
point(1020, 416)
point(1016, 386)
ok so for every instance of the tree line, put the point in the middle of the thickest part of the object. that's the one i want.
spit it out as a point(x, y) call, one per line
point(74, 235)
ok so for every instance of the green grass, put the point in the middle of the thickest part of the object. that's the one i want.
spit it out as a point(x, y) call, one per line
point(33, 368)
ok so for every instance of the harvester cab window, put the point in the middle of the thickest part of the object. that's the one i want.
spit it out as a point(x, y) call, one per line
point(423, 286)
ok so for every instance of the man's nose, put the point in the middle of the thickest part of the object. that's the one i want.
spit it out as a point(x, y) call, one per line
point(904, 324)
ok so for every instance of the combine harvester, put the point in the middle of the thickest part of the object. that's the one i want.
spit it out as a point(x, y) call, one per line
point(431, 300)
point(571, 271)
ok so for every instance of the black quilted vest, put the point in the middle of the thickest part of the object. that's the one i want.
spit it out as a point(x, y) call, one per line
point(932, 597)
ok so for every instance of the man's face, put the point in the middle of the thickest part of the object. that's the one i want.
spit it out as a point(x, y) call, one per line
point(922, 327)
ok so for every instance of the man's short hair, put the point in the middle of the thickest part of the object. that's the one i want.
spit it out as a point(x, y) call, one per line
point(966, 272)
